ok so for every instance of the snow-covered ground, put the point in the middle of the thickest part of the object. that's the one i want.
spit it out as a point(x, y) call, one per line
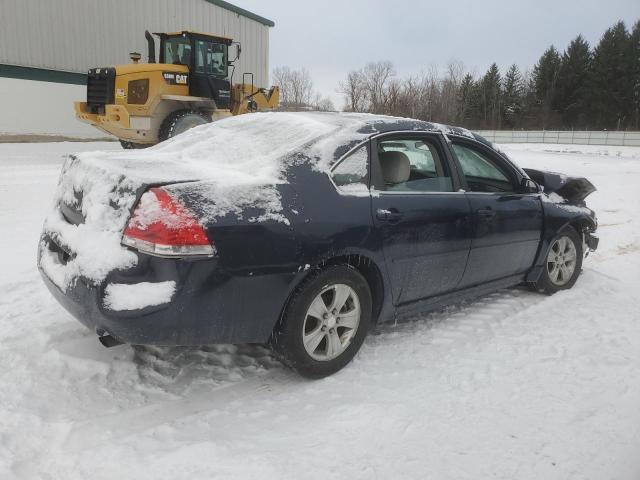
point(515, 385)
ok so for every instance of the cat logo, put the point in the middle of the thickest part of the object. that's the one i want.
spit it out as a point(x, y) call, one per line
point(176, 78)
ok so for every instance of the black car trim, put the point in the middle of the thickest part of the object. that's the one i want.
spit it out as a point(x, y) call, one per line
point(329, 172)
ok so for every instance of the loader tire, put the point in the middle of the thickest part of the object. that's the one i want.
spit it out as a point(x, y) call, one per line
point(180, 121)
point(133, 146)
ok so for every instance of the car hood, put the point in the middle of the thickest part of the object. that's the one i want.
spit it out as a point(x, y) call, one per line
point(573, 190)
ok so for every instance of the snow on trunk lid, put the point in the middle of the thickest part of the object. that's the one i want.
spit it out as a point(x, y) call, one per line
point(96, 202)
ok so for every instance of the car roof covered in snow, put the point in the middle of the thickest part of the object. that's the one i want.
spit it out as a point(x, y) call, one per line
point(237, 162)
point(256, 145)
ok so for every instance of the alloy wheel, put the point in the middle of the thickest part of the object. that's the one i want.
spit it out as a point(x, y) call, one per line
point(331, 321)
point(561, 261)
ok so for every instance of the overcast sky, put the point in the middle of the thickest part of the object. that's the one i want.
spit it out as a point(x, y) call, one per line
point(331, 37)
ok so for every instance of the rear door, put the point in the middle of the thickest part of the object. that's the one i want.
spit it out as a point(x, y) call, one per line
point(507, 224)
point(422, 218)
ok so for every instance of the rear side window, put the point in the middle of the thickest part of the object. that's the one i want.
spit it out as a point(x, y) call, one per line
point(352, 173)
point(482, 174)
point(413, 165)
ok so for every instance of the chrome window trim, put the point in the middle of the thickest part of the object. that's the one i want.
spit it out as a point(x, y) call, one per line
point(398, 192)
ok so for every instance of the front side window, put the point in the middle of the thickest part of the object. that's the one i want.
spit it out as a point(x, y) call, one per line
point(177, 50)
point(211, 58)
point(481, 173)
point(352, 173)
point(413, 165)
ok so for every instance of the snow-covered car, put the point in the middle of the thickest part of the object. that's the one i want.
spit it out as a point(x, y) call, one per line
point(302, 230)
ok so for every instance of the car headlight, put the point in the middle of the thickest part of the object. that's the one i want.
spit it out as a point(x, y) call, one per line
point(138, 91)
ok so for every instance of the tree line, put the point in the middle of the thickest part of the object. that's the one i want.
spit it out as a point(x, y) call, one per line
point(297, 92)
point(581, 88)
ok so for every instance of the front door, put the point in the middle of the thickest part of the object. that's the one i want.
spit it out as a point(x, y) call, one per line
point(424, 222)
point(209, 72)
point(507, 224)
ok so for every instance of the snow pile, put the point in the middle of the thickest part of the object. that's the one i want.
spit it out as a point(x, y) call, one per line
point(120, 296)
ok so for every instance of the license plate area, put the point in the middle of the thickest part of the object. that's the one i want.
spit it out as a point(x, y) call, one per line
point(62, 254)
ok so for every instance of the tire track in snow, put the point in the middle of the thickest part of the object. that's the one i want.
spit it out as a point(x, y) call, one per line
point(463, 324)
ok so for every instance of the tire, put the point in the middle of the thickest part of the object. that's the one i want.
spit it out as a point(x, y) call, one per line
point(133, 146)
point(565, 250)
point(332, 341)
point(180, 121)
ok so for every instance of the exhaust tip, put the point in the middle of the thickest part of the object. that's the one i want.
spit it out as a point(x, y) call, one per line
point(108, 341)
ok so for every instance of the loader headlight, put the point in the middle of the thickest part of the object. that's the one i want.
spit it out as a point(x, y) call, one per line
point(138, 91)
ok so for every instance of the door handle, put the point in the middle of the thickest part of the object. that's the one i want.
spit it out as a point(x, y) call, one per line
point(486, 213)
point(388, 215)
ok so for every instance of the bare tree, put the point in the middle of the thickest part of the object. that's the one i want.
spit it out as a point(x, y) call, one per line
point(282, 78)
point(354, 91)
point(301, 88)
point(376, 77)
point(296, 88)
point(322, 104)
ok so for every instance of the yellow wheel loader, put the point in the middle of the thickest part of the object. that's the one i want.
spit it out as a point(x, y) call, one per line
point(192, 84)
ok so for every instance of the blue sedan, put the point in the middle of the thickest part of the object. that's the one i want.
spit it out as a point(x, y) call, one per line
point(302, 231)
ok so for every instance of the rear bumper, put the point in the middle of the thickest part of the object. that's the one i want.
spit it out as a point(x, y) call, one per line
point(210, 305)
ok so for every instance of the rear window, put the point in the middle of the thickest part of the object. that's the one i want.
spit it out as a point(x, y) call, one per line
point(353, 171)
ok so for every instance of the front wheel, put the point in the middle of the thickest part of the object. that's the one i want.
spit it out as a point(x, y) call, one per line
point(325, 322)
point(181, 121)
point(563, 263)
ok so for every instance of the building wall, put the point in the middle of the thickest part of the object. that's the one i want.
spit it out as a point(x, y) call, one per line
point(42, 108)
point(74, 35)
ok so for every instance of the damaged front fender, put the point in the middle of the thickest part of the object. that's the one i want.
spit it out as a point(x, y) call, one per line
point(573, 189)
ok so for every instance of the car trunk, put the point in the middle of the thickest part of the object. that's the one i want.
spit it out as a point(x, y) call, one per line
point(93, 202)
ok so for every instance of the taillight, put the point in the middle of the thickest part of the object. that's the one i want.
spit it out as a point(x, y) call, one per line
point(161, 225)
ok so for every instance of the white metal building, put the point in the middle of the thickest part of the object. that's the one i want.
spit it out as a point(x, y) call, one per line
point(46, 48)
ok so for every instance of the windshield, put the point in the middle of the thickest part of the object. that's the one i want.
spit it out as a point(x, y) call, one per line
point(177, 50)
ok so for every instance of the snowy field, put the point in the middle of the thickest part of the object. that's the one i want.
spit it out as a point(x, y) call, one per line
point(515, 385)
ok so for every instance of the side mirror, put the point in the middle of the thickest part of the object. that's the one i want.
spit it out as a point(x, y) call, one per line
point(529, 186)
point(238, 51)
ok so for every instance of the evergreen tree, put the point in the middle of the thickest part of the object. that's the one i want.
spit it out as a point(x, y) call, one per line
point(572, 85)
point(463, 107)
point(634, 46)
point(512, 97)
point(476, 100)
point(491, 105)
point(544, 78)
point(611, 84)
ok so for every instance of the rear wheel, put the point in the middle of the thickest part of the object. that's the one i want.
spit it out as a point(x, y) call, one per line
point(325, 322)
point(563, 263)
point(181, 121)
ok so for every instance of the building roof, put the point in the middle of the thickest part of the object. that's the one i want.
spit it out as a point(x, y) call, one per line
point(242, 11)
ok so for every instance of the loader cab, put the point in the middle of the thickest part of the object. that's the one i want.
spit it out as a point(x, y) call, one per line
point(207, 57)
